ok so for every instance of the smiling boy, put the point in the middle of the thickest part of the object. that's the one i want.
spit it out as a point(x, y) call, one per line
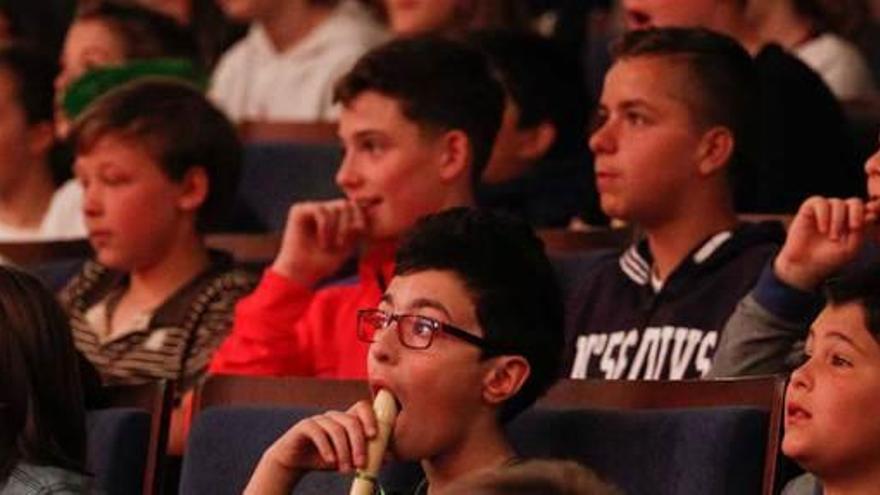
point(419, 117)
point(470, 322)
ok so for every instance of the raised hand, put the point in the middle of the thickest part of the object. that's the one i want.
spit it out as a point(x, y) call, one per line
point(318, 238)
point(826, 234)
point(334, 440)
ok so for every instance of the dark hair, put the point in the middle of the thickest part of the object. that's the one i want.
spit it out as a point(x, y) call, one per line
point(535, 477)
point(845, 17)
point(42, 24)
point(439, 84)
point(544, 80)
point(863, 287)
point(179, 126)
point(144, 33)
point(33, 74)
point(721, 78)
point(502, 263)
point(40, 388)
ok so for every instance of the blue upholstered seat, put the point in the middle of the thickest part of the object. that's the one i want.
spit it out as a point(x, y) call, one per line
point(275, 175)
point(118, 446)
point(659, 452)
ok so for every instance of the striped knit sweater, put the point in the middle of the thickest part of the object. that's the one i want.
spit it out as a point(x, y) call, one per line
point(174, 342)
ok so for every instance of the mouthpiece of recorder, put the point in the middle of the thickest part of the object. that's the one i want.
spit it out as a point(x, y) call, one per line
point(385, 408)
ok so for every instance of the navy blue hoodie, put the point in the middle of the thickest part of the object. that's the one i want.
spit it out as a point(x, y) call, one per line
point(619, 327)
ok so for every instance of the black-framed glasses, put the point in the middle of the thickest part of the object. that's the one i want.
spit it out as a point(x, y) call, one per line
point(413, 331)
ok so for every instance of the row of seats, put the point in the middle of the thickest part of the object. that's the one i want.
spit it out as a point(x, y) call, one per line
point(657, 437)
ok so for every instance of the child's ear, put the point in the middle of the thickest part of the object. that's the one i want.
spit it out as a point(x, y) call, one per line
point(456, 159)
point(715, 150)
point(194, 189)
point(537, 141)
point(504, 378)
point(40, 138)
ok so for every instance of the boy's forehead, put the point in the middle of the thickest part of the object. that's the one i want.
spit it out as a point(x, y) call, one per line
point(669, 13)
point(372, 107)
point(120, 147)
point(847, 322)
point(445, 287)
point(652, 79)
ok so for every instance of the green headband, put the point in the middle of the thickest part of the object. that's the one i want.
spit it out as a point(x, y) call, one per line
point(97, 82)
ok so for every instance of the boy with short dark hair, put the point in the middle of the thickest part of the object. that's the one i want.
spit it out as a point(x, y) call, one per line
point(471, 321)
point(674, 125)
point(157, 164)
point(828, 236)
point(833, 398)
point(806, 147)
point(419, 116)
point(540, 168)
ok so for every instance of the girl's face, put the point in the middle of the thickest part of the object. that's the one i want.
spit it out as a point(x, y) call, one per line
point(89, 43)
point(833, 399)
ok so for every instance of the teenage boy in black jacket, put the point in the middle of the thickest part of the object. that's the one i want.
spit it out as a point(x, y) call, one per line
point(675, 124)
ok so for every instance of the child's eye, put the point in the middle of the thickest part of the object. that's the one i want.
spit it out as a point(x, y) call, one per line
point(371, 146)
point(635, 118)
point(423, 327)
point(115, 179)
point(839, 361)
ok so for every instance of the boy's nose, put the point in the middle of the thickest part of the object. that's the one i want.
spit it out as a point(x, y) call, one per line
point(802, 377)
point(602, 139)
point(91, 204)
point(872, 165)
point(386, 345)
point(347, 176)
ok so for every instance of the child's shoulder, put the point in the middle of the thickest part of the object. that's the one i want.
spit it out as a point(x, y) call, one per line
point(225, 275)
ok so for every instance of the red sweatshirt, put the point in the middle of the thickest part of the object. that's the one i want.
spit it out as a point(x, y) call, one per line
point(285, 328)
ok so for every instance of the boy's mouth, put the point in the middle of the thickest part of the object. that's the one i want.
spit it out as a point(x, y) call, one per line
point(795, 413)
point(375, 387)
point(367, 204)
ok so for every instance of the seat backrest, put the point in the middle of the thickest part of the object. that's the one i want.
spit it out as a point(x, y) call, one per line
point(211, 466)
point(118, 446)
point(251, 413)
point(765, 394)
point(656, 452)
point(36, 252)
point(277, 174)
point(128, 437)
point(288, 131)
point(567, 241)
point(247, 249)
point(686, 436)
point(232, 390)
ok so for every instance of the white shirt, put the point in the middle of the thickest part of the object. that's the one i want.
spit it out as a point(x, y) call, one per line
point(840, 64)
point(253, 81)
point(63, 218)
